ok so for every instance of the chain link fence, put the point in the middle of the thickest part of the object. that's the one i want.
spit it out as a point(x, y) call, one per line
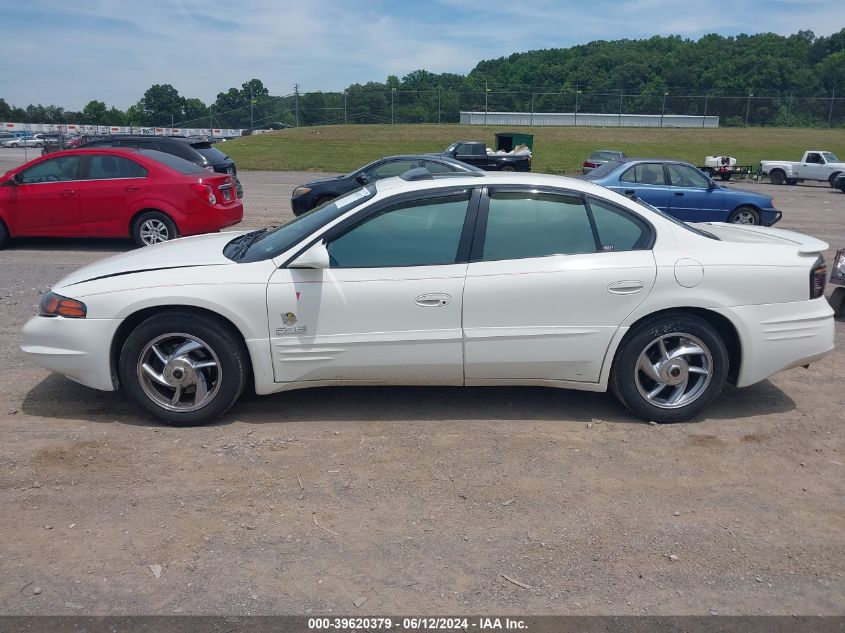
point(445, 106)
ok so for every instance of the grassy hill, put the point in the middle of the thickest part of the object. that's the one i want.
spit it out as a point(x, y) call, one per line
point(558, 150)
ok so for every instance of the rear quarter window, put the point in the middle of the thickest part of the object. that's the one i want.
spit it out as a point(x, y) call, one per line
point(174, 162)
point(209, 152)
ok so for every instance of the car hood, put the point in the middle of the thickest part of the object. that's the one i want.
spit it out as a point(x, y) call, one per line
point(752, 234)
point(199, 250)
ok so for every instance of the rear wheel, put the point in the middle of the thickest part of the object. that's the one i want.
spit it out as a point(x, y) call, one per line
point(153, 227)
point(4, 234)
point(670, 368)
point(777, 177)
point(725, 175)
point(832, 180)
point(184, 368)
point(744, 215)
point(508, 168)
point(791, 181)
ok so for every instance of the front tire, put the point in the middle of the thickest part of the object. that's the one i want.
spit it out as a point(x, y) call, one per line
point(832, 180)
point(744, 215)
point(670, 368)
point(4, 234)
point(777, 177)
point(184, 368)
point(153, 227)
point(508, 168)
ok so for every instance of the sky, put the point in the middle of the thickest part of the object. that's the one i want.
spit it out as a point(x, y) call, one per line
point(69, 52)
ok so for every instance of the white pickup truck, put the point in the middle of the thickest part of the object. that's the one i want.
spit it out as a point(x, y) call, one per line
point(816, 165)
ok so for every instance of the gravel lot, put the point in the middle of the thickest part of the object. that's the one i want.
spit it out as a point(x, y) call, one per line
point(419, 500)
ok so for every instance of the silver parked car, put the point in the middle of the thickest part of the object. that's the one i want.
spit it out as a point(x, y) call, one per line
point(31, 141)
point(600, 157)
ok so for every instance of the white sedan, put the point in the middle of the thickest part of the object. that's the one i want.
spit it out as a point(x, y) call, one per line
point(486, 279)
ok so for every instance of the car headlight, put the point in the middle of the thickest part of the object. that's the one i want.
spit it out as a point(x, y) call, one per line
point(300, 191)
point(53, 305)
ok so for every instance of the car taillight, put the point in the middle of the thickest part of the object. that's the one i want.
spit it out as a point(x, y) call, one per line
point(53, 305)
point(206, 192)
point(209, 168)
point(589, 164)
point(818, 277)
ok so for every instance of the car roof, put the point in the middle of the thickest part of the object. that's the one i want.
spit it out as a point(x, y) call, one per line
point(489, 178)
point(153, 137)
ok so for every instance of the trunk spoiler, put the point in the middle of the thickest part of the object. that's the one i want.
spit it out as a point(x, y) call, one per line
point(748, 233)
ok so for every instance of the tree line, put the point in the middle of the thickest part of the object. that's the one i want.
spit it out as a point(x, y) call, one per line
point(792, 78)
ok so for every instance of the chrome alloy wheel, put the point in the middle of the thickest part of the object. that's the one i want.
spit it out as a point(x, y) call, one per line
point(154, 231)
point(179, 372)
point(744, 216)
point(673, 370)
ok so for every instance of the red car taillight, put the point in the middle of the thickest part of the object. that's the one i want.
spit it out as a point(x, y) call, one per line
point(818, 277)
point(206, 192)
point(589, 164)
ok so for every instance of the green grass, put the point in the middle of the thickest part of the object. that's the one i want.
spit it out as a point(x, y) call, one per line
point(341, 148)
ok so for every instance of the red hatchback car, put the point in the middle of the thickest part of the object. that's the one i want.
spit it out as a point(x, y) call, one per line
point(147, 195)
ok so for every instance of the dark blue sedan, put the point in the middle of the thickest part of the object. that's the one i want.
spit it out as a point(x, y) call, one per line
point(682, 191)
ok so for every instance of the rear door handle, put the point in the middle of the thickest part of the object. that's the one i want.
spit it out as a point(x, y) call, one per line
point(679, 193)
point(626, 287)
point(67, 193)
point(434, 300)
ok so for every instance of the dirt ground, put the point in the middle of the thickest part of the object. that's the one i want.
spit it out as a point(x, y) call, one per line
point(416, 500)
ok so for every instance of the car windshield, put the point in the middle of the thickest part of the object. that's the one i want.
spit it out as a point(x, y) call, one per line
point(602, 170)
point(830, 157)
point(210, 153)
point(258, 246)
point(174, 162)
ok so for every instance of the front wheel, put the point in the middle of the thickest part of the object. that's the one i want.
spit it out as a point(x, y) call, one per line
point(832, 180)
point(670, 368)
point(184, 368)
point(744, 215)
point(153, 227)
point(508, 168)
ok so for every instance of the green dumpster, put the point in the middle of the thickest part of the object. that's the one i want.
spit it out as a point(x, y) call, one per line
point(506, 141)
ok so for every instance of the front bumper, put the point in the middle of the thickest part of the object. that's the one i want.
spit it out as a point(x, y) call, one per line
point(779, 336)
point(78, 348)
point(770, 216)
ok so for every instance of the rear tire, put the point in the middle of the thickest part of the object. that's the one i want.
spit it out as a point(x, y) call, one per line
point(832, 180)
point(153, 227)
point(4, 234)
point(791, 181)
point(777, 177)
point(725, 176)
point(508, 168)
point(184, 368)
point(668, 346)
point(744, 215)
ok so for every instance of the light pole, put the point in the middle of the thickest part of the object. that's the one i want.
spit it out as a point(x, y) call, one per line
point(251, 110)
point(704, 118)
point(344, 107)
point(392, 93)
point(663, 107)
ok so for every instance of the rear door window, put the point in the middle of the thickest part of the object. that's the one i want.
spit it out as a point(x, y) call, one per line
point(114, 167)
point(617, 229)
point(645, 174)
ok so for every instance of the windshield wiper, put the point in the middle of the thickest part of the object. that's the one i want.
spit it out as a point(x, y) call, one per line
point(238, 247)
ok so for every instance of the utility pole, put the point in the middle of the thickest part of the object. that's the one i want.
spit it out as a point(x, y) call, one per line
point(296, 101)
point(344, 107)
point(251, 110)
point(620, 108)
point(171, 124)
point(486, 92)
point(392, 92)
point(211, 120)
point(789, 110)
point(532, 110)
point(438, 103)
point(663, 107)
point(748, 108)
point(830, 112)
point(704, 118)
point(577, 92)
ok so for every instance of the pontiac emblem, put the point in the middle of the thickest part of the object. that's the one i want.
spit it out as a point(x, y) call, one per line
point(289, 318)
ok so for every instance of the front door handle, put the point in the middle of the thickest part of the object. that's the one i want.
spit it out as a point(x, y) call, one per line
point(626, 287)
point(133, 188)
point(67, 193)
point(679, 193)
point(434, 300)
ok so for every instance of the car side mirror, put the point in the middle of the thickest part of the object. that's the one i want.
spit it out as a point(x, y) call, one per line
point(711, 184)
point(316, 256)
point(363, 179)
point(15, 180)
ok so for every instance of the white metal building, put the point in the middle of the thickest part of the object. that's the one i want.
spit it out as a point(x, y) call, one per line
point(588, 119)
